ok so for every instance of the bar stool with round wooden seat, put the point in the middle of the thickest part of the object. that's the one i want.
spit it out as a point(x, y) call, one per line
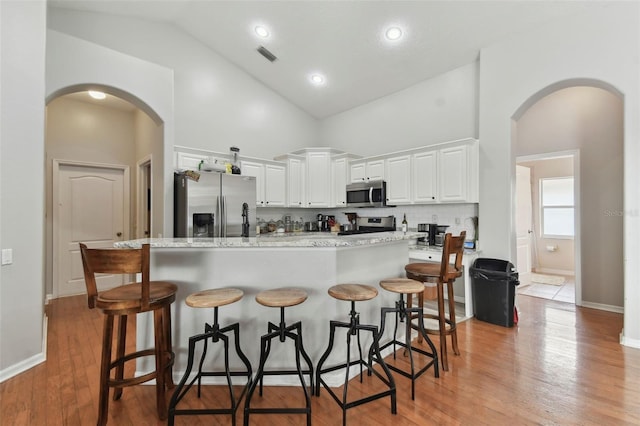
point(120, 302)
point(212, 299)
point(404, 312)
point(353, 293)
point(441, 274)
point(281, 298)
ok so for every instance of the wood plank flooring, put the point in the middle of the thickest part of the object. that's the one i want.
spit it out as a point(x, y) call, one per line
point(561, 365)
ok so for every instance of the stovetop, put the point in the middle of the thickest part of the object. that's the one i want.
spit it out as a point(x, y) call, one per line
point(365, 231)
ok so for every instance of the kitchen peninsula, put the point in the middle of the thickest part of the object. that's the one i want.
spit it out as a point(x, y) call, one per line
point(312, 261)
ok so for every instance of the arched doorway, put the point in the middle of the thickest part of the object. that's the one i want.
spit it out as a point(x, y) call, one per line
point(585, 117)
point(93, 144)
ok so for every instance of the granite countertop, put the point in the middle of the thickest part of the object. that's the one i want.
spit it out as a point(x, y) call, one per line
point(303, 239)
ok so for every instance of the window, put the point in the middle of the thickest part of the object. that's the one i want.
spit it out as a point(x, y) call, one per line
point(556, 205)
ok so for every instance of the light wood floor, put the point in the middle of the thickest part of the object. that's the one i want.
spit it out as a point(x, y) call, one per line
point(561, 365)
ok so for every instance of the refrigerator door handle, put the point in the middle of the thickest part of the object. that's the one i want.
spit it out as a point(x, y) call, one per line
point(223, 216)
point(218, 216)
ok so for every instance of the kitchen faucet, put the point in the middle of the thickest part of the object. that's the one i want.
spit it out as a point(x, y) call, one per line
point(245, 220)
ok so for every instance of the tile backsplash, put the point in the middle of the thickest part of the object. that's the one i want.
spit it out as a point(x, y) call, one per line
point(457, 216)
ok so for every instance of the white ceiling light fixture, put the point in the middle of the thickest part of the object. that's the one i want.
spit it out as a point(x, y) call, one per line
point(262, 31)
point(97, 95)
point(393, 33)
point(317, 79)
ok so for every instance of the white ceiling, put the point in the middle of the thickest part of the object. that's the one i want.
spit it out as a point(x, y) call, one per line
point(343, 39)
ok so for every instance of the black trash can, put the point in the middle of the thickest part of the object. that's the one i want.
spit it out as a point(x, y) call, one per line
point(493, 283)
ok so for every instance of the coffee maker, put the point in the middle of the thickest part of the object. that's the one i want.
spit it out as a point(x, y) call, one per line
point(203, 225)
point(441, 230)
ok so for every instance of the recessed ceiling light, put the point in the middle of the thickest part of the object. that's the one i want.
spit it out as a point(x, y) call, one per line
point(393, 33)
point(317, 79)
point(261, 31)
point(97, 95)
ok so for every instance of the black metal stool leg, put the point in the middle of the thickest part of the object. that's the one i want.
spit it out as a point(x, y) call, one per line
point(402, 311)
point(353, 328)
point(282, 332)
point(215, 333)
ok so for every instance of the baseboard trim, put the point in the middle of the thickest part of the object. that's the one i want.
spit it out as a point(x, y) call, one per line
point(22, 366)
point(603, 307)
point(31, 362)
point(625, 341)
point(568, 272)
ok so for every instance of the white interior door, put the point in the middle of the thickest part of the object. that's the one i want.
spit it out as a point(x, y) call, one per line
point(524, 224)
point(92, 208)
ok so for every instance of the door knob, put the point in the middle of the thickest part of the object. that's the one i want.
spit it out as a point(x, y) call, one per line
point(119, 234)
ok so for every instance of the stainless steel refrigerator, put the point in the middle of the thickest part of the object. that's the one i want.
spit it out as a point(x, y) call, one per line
point(220, 205)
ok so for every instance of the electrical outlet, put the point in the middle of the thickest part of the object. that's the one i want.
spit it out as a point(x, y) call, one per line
point(457, 221)
point(7, 256)
point(434, 218)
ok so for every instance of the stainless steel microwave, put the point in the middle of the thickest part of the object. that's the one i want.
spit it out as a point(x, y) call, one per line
point(371, 193)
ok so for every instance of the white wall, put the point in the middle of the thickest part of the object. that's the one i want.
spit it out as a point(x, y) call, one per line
point(514, 73)
point(440, 109)
point(22, 66)
point(217, 105)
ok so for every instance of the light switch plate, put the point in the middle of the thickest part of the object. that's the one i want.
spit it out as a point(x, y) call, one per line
point(7, 256)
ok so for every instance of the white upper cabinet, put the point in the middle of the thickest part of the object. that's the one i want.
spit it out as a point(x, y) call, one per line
point(452, 174)
point(399, 180)
point(317, 177)
point(250, 168)
point(188, 161)
point(458, 172)
point(270, 182)
point(295, 182)
point(425, 177)
point(367, 170)
point(275, 185)
point(340, 176)
point(318, 167)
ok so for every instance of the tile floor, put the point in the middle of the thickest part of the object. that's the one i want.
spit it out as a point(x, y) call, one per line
point(561, 293)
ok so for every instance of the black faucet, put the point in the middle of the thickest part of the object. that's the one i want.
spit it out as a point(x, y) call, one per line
point(245, 220)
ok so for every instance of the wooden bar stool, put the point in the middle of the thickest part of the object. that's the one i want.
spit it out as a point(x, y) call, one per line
point(281, 298)
point(353, 293)
point(402, 311)
point(120, 302)
point(212, 299)
point(441, 274)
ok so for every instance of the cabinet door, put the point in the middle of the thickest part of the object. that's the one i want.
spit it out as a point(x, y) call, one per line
point(375, 170)
point(425, 177)
point(295, 182)
point(187, 161)
point(399, 180)
point(274, 185)
point(452, 176)
point(250, 168)
point(358, 171)
point(339, 182)
point(318, 179)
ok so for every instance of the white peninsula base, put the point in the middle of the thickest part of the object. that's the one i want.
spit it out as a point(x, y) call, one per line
point(253, 269)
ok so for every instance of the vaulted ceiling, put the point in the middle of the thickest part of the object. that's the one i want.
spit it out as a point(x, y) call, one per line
point(344, 40)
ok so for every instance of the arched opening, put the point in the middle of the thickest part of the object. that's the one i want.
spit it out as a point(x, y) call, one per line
point(581, 119)
point(118, 140)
